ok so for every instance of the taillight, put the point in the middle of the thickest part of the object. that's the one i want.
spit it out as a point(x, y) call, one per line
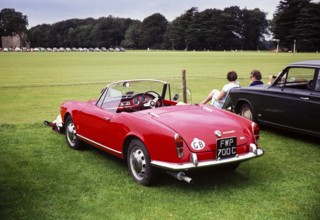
point(179, 144)
point(255, 132)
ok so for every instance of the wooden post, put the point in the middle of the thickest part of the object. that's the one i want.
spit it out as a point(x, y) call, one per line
point(184, 86)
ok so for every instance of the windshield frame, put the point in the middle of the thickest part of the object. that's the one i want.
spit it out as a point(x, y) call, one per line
point(108, 89)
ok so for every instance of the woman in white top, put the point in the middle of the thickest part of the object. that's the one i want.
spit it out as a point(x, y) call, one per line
point(218, 97)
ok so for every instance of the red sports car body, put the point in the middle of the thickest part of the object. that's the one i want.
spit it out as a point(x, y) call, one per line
point(139, 121)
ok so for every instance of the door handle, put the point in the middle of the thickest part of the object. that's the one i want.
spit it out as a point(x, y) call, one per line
point(107, 118)
point(304, 98)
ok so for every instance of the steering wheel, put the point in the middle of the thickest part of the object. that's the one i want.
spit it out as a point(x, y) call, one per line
point(155, 102)
point(310, 84)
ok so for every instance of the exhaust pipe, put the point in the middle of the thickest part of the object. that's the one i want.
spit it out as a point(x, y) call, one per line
point(180, 176)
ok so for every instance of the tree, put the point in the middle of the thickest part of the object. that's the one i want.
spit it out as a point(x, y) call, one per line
point(132, 35)
point(13, 23)
point(234, 40)
point(153, 29)
point(110, 31)
point(285, 19)
point(102, 32)
point(214, 29)
point(202, 32)
point(178, 32)
point(211, 29)
point(39, 35)
point(307, 30)
point(254, 26)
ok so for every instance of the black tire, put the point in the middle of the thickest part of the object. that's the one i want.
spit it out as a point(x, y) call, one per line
point(139, 165)
point(71, 135)
point(247, 112)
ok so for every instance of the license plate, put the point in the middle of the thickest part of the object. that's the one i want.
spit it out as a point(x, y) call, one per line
point(226, 147)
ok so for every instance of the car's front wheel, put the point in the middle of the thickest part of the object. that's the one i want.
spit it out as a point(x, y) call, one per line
point(246, 112)
point(139, 165)
point(71, 134)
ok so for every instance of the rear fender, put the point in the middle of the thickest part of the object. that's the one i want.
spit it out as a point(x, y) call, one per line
point(241, 102)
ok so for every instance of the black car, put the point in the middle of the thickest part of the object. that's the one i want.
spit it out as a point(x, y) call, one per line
point(291, 101)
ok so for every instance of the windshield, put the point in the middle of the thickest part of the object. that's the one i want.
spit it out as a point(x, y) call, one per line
point(298, 78)
point(133, 95)
point(131, 88)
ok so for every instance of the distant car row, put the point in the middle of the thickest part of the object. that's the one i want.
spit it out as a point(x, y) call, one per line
point(62, 49)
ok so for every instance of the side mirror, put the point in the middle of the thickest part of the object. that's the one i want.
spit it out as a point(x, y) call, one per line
point(176, 97)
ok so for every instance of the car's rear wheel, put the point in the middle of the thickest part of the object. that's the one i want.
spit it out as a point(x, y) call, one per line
point(139, 165)
point(71, 134)
point(246, 112)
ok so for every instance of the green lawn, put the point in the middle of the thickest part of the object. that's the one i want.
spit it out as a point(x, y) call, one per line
point(41, 178)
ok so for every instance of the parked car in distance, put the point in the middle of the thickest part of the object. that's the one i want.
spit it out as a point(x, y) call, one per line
point(291, 102)
point(142, 123)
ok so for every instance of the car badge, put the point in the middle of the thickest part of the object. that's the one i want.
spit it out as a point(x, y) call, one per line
point(217, 133)
point(198, 144)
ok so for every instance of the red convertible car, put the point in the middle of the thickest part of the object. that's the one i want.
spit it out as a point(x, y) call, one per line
point(140, 122)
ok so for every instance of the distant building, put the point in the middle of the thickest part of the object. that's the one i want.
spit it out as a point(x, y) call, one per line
point(11, 41)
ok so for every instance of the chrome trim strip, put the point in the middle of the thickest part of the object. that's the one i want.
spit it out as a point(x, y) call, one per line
point(190, 165)
point(96, 143)
point(207, 109)
point(153, 114)
point(136, 80)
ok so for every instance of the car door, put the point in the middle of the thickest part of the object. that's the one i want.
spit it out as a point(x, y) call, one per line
point(95, 124)
point(314, 106)
point(95, 119)
point(287, 100)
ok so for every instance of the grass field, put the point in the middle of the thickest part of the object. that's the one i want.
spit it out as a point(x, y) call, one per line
point(41, 178)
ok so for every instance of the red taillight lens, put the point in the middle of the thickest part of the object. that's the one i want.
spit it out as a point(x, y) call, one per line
point(255, 132)
point(179, 144)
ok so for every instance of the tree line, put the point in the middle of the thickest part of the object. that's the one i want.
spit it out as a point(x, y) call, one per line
point(212, 29)
point(294, 22)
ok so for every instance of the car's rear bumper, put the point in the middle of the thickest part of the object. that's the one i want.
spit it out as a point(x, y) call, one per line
point(193, 164)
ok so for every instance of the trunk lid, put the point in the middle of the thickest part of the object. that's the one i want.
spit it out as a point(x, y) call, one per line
point(199, 126)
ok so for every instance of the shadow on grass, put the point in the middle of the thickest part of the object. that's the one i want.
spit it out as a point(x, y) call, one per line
point(285, 134)
point(248, 173)
point(207, 178)
point(105, 155)
point(201, 177)
point(212, 179)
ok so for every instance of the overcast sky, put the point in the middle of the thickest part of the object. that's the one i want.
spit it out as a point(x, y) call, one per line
point(52, 11)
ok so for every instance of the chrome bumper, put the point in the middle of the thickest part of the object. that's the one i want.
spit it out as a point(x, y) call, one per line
point(254, 152)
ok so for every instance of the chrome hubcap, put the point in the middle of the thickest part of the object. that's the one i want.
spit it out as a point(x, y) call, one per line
point(71, 134)
point(246, 113)
point(138, 163)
